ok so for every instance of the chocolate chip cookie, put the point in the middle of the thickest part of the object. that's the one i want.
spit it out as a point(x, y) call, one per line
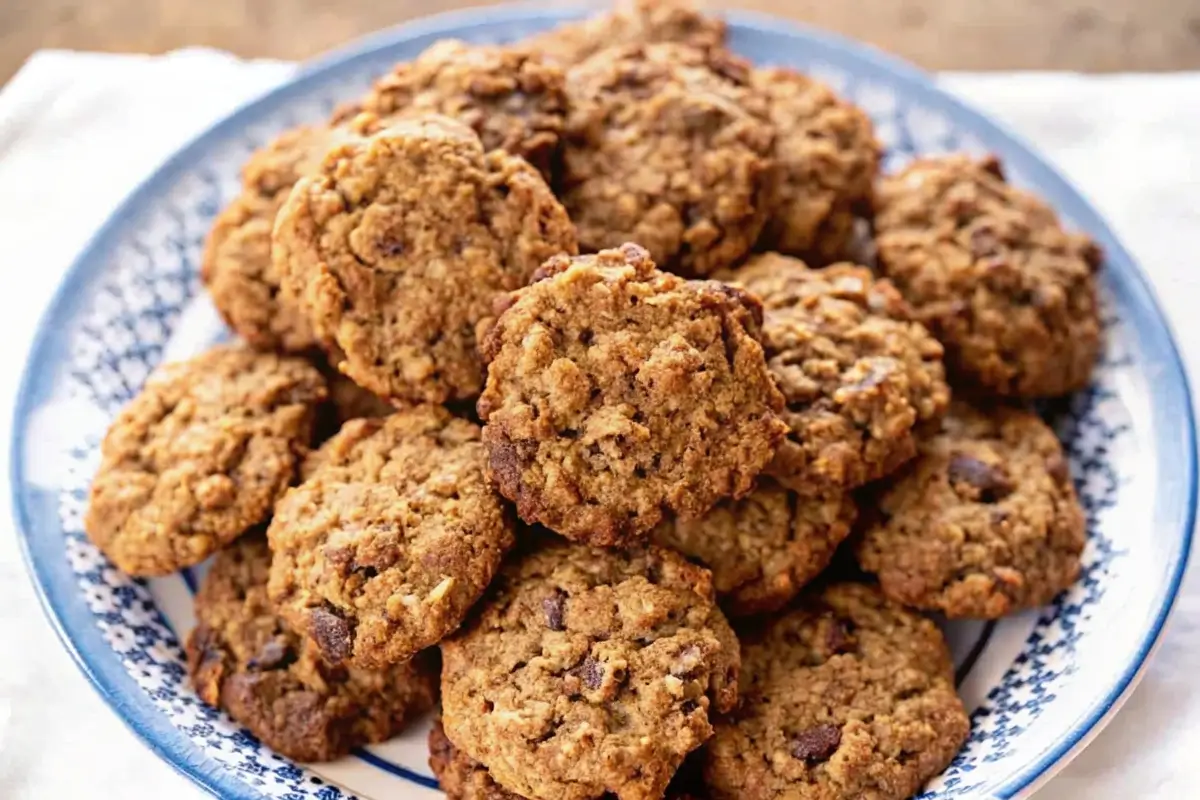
point(986, 521)
point(199, 456)
point(847, 697)
point(858, 377)
point(617, 393)
point(589, 671)
point(668, 146)
point(243, 658)
point(991, 272)
point(236, 265)
point(764, 548)
point(828, 159)
point(631, 22)
point(509, 96)
point(392, 537)
point(398, 246)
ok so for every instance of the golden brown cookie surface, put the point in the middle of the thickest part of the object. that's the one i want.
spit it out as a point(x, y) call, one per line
point(617, 393)
point(508, 95)
point(827, 157)
point(391, 538)
point(990, 270)
point(858, 378)
point(236, 266)
point(668, 146)
point(847, 697)
point(199, 456)
point(631, 22)
point(589, 671)
point(764, 548)
point(984, 523)
point(243, 658)
point(398, 247)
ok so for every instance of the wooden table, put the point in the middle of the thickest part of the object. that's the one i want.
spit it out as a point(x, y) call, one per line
point(1100, 35)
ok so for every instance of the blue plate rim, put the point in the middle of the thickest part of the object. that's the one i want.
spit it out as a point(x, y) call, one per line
point(58, 592)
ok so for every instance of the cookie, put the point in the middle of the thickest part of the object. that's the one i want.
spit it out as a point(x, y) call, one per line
point(236, 265)
point(985, 523)
point(243, 658)
point(828, 158)
point(390, 539)
point(461, 777)
point(508, 95)
point(398, 246)
point(668, 146)
point(630, 22)
point(617, 393)
point(847, 697)
point(199, 456)
point(859, 380)
point(990, 270)
point(764, 548)
point(589, 671)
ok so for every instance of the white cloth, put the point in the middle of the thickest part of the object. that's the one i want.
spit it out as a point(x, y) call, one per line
point(77, 133)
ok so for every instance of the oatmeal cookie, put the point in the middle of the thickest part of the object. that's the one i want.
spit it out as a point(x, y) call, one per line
point(616, 393)
point(985, 523)
point(764, 548)
point(199, 456)
point(399, 245)
point(991, 272)
point(630, 22)
point(847, 697)
point(236, 265)
point(244, 659)
point(461, 777)
point(828, 158)
point(508, 95)
point(857, 377)
point(589, 671)
point(391, 538)
point(670, 147)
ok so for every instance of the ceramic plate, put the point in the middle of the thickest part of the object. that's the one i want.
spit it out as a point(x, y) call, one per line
point(1038, 685)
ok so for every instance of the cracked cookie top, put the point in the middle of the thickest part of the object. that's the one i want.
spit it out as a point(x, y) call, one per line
point(668, 146)
point(617, 393)
point(589, 671)
point(243, 658)
point(858, 377)
point(993, 274)
point(984, 523)
point(391, 538)
point(199, 456)
point(508, 95)
point(847, 696)
point(399, 245)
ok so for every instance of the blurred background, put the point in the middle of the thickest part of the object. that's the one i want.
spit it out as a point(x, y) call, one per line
point(1095, 36)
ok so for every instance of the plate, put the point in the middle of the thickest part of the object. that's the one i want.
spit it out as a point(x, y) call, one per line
point(1038, 685)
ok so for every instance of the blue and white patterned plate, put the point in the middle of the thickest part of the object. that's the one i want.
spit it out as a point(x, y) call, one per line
point(1038, 685)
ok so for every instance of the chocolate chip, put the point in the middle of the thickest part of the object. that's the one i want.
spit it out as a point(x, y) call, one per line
point(554, 607)
point(838, 636)
point(1092, 254)
point(816, 744)
point(990, 482)
point(991, 164)
point(391, 247)
point(331, 633)
point(1056, 465)
point(274, 655)
point(984, 242)
point(591, 672)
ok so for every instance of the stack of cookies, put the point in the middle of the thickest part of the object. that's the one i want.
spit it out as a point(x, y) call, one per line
point(556, 368)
